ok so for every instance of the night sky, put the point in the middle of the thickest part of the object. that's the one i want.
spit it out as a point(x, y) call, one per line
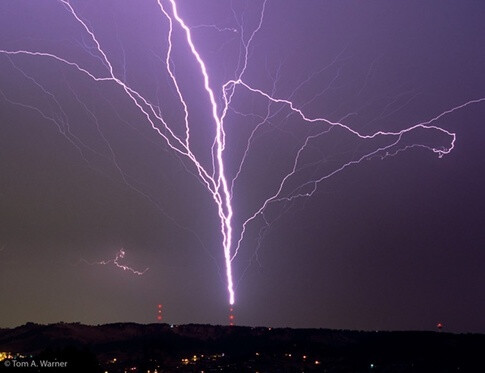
point(395, 242)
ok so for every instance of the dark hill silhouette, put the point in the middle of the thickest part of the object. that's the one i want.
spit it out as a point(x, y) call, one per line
point(187, 348)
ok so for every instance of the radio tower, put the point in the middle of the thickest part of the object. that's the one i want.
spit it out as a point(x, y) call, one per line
point(159, 313)
point(231, 316)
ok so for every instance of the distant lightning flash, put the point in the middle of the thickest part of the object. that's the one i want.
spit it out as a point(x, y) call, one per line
point(116, 261)
point(215, 178)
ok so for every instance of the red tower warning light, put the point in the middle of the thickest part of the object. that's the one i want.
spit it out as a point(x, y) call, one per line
point(231, 316)
point(439, 326)
point(159, 312)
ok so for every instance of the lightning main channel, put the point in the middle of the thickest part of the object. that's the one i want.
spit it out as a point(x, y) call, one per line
point(222, 195)
point(215, 179)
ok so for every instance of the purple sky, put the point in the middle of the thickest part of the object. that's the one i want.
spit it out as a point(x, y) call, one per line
point(393, 242)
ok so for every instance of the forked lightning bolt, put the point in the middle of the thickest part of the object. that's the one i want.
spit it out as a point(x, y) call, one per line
point(216, 180)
